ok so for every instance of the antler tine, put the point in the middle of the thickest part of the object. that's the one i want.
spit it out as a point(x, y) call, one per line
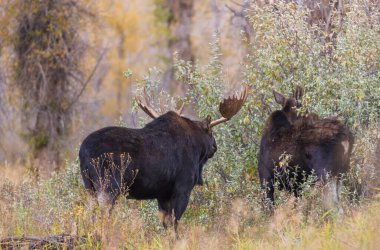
point(162, 105)
point(298, 93)
point(179, 111)
point(230, 106)
point(145, 106)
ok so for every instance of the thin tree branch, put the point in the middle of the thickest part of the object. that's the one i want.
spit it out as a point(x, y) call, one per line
point(54, 241)
point(84, 85)
point(372, 72)
point(43, 76)
point(238, 4)
point(235, 12)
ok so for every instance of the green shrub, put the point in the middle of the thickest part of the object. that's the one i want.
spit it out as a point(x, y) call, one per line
point(285, 52)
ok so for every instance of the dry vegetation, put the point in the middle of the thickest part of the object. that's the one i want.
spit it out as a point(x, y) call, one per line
point(59, 206)
point(337, 65)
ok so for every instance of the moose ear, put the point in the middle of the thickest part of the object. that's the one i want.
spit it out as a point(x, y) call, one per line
point(280, 98)
point(298, 93)
point(207, 122)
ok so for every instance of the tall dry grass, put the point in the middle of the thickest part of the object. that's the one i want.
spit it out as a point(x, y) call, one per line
point(60, 205)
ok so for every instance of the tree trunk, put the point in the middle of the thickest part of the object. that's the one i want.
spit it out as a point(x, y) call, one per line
point(179, 24)
point(47, 74)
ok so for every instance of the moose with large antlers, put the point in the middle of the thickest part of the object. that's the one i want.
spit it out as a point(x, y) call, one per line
point(163, 160)
point(315, 145)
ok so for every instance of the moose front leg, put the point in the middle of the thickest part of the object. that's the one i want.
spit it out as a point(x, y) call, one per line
point(171, 211)
point(165, 212)
point(268, 187)
point(267, 183)
point(180, 201)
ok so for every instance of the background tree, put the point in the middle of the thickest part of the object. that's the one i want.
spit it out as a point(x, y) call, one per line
point(47, 71)
point(124, 31)
point(178, 16)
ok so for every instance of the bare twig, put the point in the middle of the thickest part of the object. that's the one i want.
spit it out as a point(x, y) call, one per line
point(60, 241)
point(84, 85)
point(235, 12)
point(372, 72)
point(238, 4)
point(43, 74)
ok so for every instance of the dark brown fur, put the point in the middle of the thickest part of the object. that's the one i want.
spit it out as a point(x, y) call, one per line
point(166, 159)
point(316, 145)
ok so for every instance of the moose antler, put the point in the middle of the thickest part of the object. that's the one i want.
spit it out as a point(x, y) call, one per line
point(179, 111)
point(144, 104)
point(298, 93)
point(230, 106)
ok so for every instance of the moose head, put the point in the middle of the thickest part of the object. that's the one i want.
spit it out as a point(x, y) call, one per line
point(291, 104)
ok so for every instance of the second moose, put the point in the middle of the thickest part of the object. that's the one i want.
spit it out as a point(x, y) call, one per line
point(315, 145)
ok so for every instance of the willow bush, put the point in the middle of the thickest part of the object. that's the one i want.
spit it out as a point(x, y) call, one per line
point(287, 51)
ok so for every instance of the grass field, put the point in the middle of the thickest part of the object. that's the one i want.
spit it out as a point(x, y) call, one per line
point(60, 206)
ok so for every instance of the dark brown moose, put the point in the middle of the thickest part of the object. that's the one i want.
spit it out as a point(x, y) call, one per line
point(315, 145)
point(163, 160)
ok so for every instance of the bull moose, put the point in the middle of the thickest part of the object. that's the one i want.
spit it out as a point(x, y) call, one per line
point(163, 160)
point(315, 145)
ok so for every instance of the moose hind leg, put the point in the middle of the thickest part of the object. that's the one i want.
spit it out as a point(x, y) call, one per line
point(107, 197)
point(331, 197)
